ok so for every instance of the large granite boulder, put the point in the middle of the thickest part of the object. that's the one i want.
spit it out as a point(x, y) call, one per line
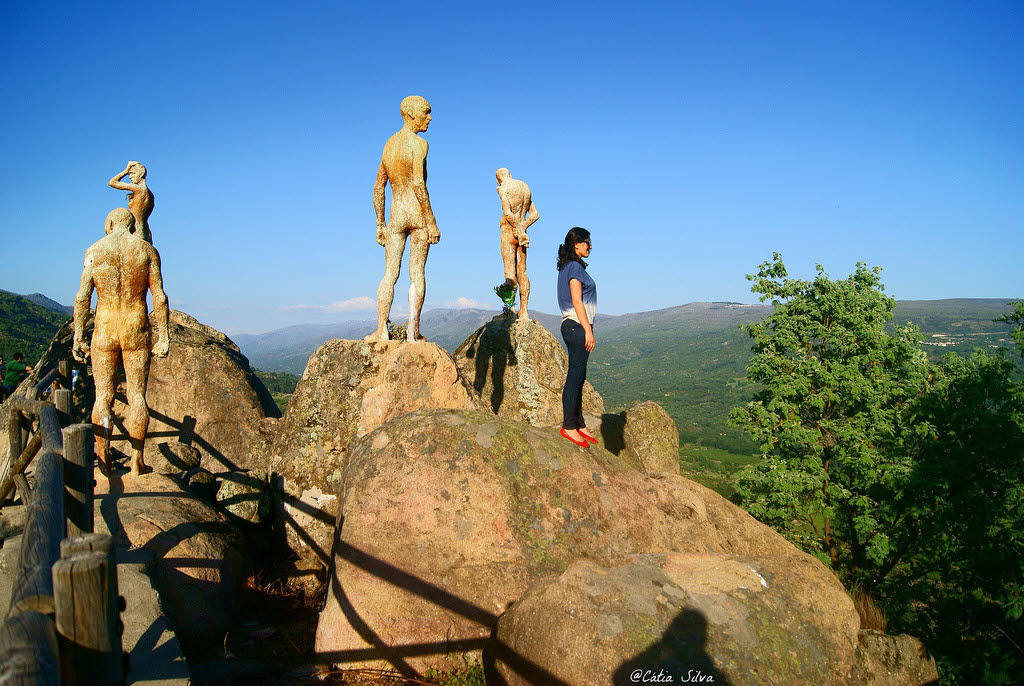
point(518, 367)
point(697, 618)
point(349, 388)
point(893, 661)
point(203, 394)
point(200, 560)
point(645, 435)
point(447, 517)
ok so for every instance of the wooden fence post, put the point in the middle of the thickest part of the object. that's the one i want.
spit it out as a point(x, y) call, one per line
point(16, 468)
point(14, 443)
point(40, 539)
point(62, 401)
point(87, 609)
point(78, 478)
point(26, 659)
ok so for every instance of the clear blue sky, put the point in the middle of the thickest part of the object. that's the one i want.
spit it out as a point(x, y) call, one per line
point(692, 139)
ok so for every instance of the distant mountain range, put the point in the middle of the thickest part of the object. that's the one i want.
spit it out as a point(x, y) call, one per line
point(288, 349)
point(43, 301)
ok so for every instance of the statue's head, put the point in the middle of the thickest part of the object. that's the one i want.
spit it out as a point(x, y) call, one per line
point(136, 171)
point(502, 175)
point(119, 218)
point(416, 111)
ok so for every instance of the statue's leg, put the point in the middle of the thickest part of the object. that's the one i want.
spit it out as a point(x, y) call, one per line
point(508, 254)
point(104, 367)
point(394, 246)
point(524, 281)
point(136, 372)
point(417, 282)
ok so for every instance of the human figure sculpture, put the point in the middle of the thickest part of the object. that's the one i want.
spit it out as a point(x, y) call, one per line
point(404, 164)
point(140, 198)
point(518, 213)
point(121, 267)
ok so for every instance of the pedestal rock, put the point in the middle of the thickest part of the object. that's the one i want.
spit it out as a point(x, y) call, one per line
point(518, 367)
point(348, 389)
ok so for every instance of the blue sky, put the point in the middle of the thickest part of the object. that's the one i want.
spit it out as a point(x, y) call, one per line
point(692, 139)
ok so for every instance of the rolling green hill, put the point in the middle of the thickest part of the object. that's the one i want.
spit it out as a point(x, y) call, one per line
point(26, 326)
point(692, 360)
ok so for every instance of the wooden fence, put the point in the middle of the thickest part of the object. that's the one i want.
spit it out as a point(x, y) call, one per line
point(62, 625)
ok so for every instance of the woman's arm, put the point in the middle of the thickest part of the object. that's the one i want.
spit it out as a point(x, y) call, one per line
point(576, 291)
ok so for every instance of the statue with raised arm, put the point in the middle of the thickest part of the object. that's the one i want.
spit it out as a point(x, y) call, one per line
point(404, 165)
point(121, 267)
point(140, 198)
point(518, 213)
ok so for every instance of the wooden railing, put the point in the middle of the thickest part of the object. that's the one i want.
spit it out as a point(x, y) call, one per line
point(62, 623)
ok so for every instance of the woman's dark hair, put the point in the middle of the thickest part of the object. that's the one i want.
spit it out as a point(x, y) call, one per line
point(567, 251)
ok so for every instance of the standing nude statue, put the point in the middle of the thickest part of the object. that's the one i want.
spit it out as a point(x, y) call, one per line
point(518, 213)
point(140, 198)
point(121, 267)
point(404, 164)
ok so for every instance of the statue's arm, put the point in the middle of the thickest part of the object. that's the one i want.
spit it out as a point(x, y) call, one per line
point(419, 188)
point(532, 216)
point(378, 194)
point(160, 308)
point(79, 349)
point(115, 182)
point(378, 201)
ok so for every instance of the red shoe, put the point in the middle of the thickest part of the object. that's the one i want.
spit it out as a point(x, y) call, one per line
point(584, 444)
point(587, 436)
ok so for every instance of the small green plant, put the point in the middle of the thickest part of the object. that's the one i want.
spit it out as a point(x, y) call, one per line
point(506, 290)
point(471, 674)
point(396, 332)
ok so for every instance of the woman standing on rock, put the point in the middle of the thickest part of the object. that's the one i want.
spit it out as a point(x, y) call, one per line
point(577, 298)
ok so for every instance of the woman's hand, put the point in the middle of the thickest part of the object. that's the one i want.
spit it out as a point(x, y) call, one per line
point(589, 342)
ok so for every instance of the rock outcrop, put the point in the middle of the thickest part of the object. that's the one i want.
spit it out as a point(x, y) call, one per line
point(245, 495)
point(200, 559)
point(203, 394)
point(698, 618)
point(349, 388)
point(447, 517)
point(518, 367)
point(645, 435)
point(892, 661)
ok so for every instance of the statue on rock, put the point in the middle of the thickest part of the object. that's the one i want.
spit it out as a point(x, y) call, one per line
point(404, 165)
point(140, 198)
point(518, 213)
point(122, 268)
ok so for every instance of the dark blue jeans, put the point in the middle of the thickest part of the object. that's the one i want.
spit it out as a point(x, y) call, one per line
point(572, 394)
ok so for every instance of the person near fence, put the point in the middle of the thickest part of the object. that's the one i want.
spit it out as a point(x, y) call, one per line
point(14, 372)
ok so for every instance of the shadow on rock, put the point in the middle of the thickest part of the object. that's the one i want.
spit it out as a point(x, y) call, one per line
point(613, 428)
point(678, 657)
point(492, 351)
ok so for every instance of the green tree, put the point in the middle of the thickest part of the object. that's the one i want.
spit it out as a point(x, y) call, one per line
point(829, 415)
point(955, 576)
point(906, 477)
